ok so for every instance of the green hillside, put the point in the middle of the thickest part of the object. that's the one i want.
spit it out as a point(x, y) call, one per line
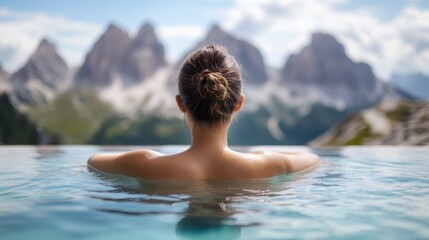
point(142, 130)
point(404, 123)
point(74, 115)
point(80, 117)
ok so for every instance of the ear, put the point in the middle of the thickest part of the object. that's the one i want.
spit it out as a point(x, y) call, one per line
point(240, 103)
point(180, 104)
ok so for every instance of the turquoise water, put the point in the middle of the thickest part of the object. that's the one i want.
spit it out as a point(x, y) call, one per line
point(356, 193)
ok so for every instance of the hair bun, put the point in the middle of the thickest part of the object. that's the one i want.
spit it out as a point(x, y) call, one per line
point(212, 85)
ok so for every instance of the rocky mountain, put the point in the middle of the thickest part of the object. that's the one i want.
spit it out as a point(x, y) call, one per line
point(104, 59)
point(116, 55)
point(405, 123)
point(323, 68)
point(248, 56)
point(143, 56)
point(412, 128)
point(414, 84)
point(40, 77)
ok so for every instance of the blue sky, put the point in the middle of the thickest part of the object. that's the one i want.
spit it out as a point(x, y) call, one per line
point(128, 13)
point(372, 31)
point(133, 12)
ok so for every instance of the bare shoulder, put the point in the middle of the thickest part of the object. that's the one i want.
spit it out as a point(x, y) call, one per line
point(121, 163)
point(140, 154)
point(288, 161)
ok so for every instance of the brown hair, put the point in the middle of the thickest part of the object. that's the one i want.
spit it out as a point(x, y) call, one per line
point(210, 84)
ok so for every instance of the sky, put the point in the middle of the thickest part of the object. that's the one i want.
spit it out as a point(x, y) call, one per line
point(391, 35)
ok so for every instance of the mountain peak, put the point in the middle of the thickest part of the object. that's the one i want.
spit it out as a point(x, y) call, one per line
point(324, 43)
point(147, 27)
point(215, 28)
point(324, 68)
point(146, 35)
point(45, 69)
point(45, 49)
point(321, 36)
point(46, 52)
point(104, 58)
point(216, 32)
point(247, 55)
point(113, 27)
point(114, 31)
point(143, 57)
point(116, 52)
point(45, 43)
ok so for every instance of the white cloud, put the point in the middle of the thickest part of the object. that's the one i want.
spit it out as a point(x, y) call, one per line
point(21, 33)
point(282, 27)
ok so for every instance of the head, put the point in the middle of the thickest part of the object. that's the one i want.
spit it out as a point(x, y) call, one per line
point(210, 86)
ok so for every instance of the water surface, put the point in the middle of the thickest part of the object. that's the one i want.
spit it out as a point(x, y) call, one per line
point(355, 193)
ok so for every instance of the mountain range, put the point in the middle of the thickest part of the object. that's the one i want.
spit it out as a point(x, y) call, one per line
point(115, 54)
point(323, 66)
point(131, 76)
point(42, 75)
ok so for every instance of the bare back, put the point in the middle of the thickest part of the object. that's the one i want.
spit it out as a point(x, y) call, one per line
point(200, 164)
point(209, 94)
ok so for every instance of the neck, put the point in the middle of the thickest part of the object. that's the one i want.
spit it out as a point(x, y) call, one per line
point(209, 138)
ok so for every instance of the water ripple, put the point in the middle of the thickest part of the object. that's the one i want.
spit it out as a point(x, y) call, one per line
point(356, 193)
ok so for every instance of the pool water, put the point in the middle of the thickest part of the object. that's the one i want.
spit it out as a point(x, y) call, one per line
point(355, 193)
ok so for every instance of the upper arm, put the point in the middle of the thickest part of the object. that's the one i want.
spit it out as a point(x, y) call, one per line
point(125, 163)
point(298, 162)
point(292, 162)
point(106, 162)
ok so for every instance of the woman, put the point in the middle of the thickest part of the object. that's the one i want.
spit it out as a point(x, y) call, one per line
point(209, 95)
